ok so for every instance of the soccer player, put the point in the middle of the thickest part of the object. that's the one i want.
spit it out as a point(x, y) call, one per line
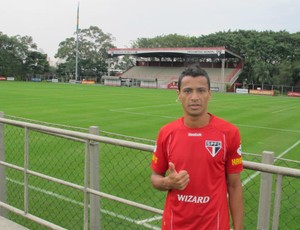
point(198, 161)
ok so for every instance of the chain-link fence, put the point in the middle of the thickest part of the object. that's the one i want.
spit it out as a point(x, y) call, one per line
point(124, 172)
point(289, 201)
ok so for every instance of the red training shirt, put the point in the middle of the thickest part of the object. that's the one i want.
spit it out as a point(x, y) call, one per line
point(207, 154)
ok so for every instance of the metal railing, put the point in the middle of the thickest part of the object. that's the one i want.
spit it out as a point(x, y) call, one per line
point(90, 187)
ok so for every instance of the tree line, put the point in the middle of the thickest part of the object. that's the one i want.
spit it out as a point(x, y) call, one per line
point(269, 57)
point(20, 59)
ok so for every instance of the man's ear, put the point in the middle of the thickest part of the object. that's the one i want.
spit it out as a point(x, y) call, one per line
point(178, 96)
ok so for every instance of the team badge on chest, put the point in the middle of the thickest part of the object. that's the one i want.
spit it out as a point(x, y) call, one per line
point(213, 147)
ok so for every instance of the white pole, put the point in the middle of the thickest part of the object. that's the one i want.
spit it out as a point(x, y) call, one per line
point(94, 181)
point(77, 29)
point(3, 212)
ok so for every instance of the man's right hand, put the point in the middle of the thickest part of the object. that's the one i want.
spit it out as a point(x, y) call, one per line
point(177, 180)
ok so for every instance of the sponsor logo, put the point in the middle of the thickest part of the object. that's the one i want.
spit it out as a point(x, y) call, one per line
point(262, 92)
point(195, 134)
point(193, 199)
point(239, 150)
point(237, 161)
point(154, 159)
point(213, 147)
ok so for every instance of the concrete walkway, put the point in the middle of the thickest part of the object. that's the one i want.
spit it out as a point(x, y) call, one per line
point(6, 224)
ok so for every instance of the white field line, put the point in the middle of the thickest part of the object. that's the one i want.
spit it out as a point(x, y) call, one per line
point(143, 107)
point(240, 125)
point(150, 219)
point(53, 194)
point(287, 150)
point(125, 110)
point(285, 109)
point(246, 181)
point(274, 129)
point(143, 114)
point(250, 178)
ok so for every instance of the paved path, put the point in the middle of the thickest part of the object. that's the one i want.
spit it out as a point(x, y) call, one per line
point(6, 224)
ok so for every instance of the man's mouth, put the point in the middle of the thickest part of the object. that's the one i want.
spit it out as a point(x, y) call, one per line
point(194, 106)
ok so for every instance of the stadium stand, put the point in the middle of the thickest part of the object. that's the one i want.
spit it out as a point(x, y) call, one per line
point(160, 68)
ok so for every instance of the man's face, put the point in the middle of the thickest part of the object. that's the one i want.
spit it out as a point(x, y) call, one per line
point(194, 95)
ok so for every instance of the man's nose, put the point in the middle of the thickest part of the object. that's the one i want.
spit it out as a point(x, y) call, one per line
point(194, 95)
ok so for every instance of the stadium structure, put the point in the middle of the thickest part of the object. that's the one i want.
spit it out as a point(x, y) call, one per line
point(160, 67)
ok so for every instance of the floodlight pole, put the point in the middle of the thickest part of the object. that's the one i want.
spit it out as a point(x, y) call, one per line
point(77, 29)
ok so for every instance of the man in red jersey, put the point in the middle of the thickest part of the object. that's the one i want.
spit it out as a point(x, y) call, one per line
point(198, 160)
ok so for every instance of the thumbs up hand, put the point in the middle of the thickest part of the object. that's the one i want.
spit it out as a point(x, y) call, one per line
point(177, 180)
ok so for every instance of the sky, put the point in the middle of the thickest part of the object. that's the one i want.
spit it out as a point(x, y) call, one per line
point(50, 22)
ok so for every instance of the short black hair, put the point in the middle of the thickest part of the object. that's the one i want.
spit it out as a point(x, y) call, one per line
point(194, 71)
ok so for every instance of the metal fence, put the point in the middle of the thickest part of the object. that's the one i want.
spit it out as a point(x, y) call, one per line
point(53, 178)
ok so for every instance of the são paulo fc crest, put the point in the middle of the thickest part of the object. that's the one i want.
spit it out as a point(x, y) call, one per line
point(213, 147)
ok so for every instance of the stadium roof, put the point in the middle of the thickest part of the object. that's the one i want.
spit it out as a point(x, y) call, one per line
point(203, 52)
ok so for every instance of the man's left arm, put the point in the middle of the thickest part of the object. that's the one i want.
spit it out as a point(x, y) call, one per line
point(235, 193)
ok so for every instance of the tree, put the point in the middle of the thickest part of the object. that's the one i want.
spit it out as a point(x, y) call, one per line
point(92, 48)
point(171, 40)
point(36, 64)
point(19, 58)
point(11, 57)
point(289, 73)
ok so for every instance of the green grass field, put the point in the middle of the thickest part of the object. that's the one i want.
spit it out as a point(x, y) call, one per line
point(265, 123)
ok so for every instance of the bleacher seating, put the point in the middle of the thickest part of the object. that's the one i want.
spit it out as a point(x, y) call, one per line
point(152, 72)
point(165, 75)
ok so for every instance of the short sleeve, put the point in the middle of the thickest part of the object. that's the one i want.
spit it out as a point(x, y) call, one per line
point(234, 162)
point(159, 162)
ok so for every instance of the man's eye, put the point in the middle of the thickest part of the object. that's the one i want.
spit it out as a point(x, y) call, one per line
point(201, 90)
point(187, 91)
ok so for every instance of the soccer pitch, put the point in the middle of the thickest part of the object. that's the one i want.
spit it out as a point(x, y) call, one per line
point(265, 123)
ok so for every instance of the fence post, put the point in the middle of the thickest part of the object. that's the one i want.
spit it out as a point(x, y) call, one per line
point(94, 181)
point(264, 206)
point(3, 211)
point(277, 202)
